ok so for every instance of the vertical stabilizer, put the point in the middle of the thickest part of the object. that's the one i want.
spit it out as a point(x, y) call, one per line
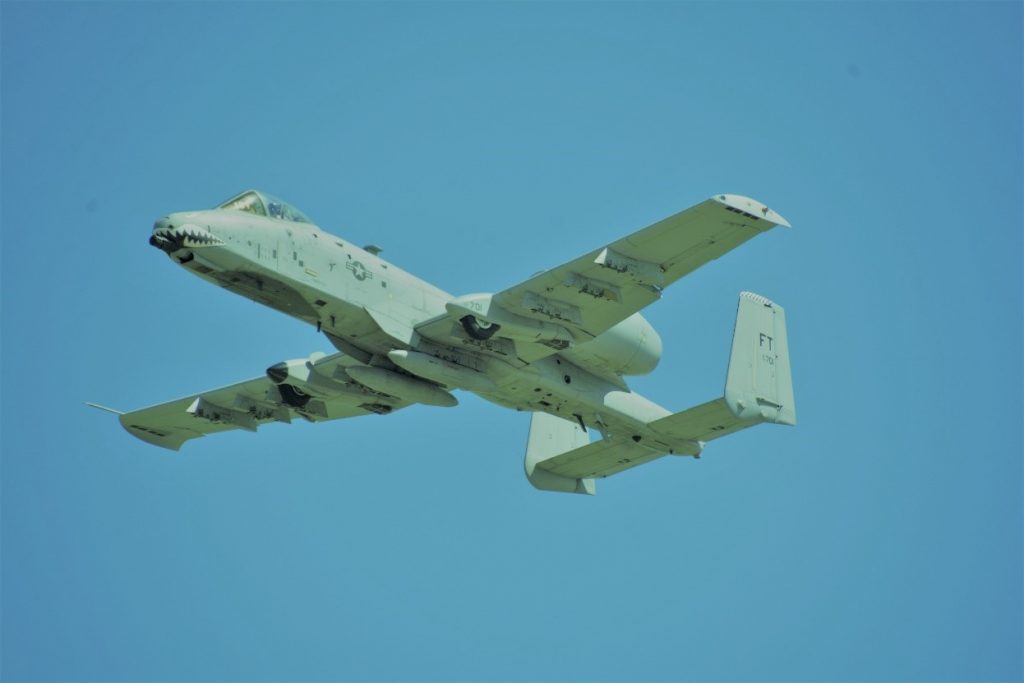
point(759, 385)
point(551, 436)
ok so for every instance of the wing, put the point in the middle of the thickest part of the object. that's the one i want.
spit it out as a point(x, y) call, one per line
point(324, 393)
point(594, 292)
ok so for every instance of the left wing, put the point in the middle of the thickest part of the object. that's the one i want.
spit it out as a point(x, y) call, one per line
point(322, 393)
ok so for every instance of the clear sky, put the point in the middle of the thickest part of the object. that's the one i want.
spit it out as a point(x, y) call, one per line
point(879, 540)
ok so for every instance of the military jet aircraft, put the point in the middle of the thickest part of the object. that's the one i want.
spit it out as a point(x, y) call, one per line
point(559, 344)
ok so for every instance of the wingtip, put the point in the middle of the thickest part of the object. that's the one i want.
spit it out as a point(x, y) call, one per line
point(751, 207)
point(170, 441)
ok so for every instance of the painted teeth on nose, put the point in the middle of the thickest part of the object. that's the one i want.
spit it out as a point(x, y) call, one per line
point(199, 239)
point(192, 236)
point(188, 236)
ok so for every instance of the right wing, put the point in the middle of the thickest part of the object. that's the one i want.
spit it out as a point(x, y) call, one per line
point(325, 394)
point(582, 298)
point(592, 293)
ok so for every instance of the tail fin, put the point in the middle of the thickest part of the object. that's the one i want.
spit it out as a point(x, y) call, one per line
point(758, 388)
point(759, 384)
point(551, 436)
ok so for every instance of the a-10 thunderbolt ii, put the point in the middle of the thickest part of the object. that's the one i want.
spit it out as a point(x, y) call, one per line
point(559, 344)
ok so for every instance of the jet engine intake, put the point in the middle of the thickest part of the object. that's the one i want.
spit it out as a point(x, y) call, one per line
point(291, 371)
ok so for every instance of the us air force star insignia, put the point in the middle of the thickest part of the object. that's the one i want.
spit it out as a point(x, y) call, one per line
point(359, 271)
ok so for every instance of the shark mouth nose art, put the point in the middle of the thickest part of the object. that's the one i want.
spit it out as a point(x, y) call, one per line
point(188, 236)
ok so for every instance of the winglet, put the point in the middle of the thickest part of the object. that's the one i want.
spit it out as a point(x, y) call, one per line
point(109, 410)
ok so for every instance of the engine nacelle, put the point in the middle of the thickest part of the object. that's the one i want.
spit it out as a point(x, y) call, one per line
point(297, 381)
point(630, 348)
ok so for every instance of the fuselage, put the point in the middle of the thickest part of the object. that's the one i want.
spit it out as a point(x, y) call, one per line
point(371, 309)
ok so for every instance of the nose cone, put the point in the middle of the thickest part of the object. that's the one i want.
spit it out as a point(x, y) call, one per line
point(175, 232)
point(161, 237)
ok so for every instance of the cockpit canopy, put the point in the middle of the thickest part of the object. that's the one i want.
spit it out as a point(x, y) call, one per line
point(263, 204)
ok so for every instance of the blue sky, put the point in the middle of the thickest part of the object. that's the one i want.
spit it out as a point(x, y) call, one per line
point(880, 540)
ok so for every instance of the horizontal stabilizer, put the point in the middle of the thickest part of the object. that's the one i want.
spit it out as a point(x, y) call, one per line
point(758, 388)
point(705, 422)
point(560, 457)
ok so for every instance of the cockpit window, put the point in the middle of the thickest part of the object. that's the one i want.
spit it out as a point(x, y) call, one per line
point(263, 204)
point(247, 201)
point(283, 210)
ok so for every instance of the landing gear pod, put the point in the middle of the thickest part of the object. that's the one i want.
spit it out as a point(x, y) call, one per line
point(481, 318)
point(477, 330)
